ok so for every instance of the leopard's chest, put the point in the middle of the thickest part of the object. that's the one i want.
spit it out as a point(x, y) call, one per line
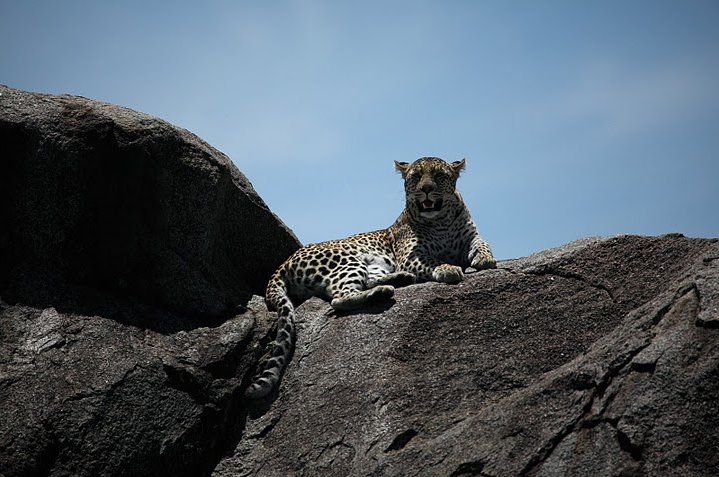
point(446, 244)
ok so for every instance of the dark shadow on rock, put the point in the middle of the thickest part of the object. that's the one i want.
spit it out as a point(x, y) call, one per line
point(125, 309)
point(99, 196)
point(376, 308)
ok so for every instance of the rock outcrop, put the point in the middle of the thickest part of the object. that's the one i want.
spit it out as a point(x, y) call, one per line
point(121, 389)
point(597, 358)
point(129, 250)
point(102, 196)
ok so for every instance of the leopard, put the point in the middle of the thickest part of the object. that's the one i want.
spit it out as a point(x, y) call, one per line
point(433, 239)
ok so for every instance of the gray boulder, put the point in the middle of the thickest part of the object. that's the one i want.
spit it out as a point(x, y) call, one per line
point(97, 195)
point(129, 253)
point(597, 358)
point(123, 390)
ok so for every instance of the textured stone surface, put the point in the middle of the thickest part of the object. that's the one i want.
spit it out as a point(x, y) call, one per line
point(129, 250)
point(103, 196)
point(597, 358)
point(130, 390)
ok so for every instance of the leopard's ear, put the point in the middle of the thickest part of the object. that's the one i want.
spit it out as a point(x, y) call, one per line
point(401, 167)
point(457, 167)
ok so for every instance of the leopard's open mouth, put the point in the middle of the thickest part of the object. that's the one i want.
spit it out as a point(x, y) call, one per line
point(429, 205)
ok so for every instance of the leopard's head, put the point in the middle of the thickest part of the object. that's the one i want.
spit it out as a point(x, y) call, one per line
point(430, 185)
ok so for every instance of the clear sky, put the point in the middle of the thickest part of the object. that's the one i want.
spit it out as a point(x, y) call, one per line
point(576, 117)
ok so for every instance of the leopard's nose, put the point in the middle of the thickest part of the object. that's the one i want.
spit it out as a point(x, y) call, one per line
point(427, 187)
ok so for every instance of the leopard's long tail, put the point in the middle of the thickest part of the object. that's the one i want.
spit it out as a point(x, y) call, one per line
point(270, 371)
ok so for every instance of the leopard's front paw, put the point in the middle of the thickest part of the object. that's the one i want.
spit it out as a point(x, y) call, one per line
point(447, 273)
point(483, 262)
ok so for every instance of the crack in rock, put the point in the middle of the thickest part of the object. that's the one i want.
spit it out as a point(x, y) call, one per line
point(591, 415)
point(547, 270)
point(469, 468)
point(401, 440)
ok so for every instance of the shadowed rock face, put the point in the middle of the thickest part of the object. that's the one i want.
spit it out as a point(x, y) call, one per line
point(123, 390)
point(102, 196)
point(129, 249)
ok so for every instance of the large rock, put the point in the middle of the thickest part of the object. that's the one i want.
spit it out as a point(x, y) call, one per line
point(129, 250)
point(124, 390)
point(597, 358)
point(99, 195)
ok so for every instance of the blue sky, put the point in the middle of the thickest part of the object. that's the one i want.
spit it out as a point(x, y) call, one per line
point(576, 117)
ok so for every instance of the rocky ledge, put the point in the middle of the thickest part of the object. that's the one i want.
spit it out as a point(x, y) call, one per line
point(600, 357)
point(129, 251)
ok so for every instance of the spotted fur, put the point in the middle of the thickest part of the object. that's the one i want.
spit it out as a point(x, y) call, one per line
point(433, 239)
